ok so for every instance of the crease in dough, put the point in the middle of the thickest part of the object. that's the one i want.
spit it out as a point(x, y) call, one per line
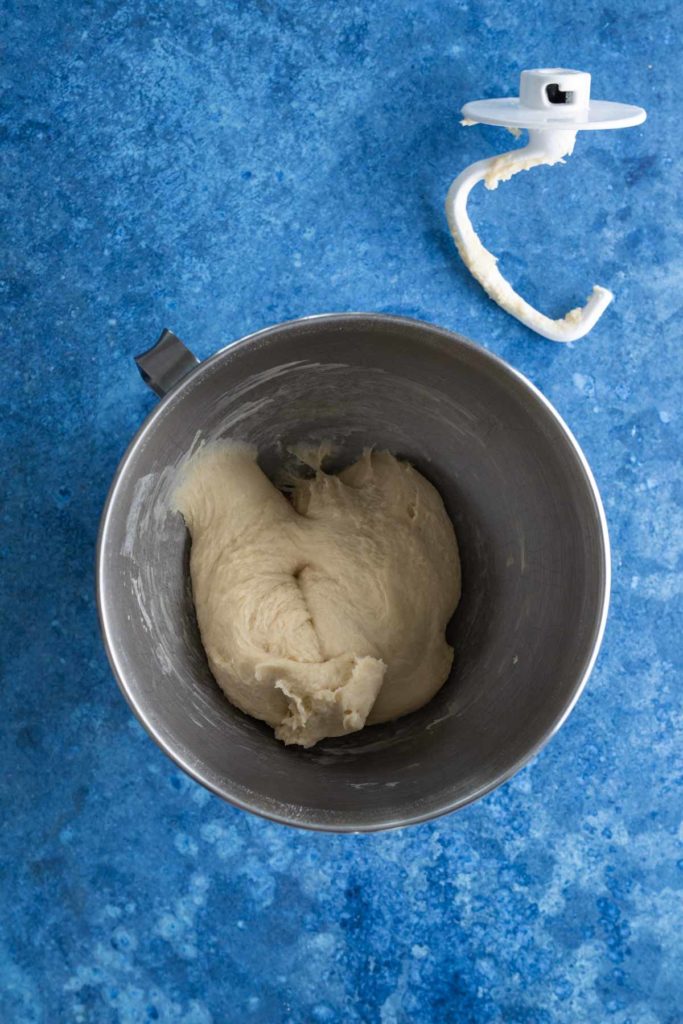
point(326, 612)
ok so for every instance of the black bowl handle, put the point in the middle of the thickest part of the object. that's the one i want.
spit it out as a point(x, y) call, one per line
point(165, 363)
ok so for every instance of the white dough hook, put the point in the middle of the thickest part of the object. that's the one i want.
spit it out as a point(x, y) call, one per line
point(553, 105)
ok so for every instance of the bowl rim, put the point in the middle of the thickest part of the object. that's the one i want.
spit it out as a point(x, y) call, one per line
point(444, 807)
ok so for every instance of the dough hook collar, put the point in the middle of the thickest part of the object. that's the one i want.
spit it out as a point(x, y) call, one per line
point(553, 105)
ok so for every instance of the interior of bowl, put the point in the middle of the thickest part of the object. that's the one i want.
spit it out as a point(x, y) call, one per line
point(532, 541)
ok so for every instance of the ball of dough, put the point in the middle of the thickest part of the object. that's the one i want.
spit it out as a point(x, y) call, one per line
point(323, 613)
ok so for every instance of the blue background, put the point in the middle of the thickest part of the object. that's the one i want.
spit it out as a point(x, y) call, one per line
point(216, 167)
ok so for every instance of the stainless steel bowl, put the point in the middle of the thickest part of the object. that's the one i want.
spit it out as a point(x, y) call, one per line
point(532, 533)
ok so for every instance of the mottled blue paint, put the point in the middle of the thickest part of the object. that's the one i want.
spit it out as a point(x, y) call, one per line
point(218, 166)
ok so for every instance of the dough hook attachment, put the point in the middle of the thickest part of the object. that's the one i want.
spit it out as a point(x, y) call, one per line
point(553, 105)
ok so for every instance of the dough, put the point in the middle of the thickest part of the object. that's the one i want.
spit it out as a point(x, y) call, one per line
point(323, 613)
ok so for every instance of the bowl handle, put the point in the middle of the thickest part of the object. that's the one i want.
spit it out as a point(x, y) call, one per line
point(165, 363)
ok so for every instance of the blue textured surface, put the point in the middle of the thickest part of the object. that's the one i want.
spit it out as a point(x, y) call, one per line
point(217, 167)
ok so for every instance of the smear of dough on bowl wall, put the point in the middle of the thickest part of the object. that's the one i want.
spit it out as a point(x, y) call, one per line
point(326, 610)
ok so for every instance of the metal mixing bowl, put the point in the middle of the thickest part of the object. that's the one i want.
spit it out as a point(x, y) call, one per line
point(533, 541)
